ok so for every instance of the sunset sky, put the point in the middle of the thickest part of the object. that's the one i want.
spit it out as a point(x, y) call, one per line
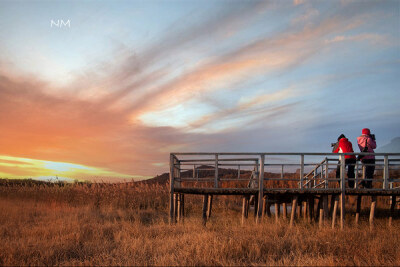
point(131, 81)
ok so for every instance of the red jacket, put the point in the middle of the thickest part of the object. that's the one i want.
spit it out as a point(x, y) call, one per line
point(345, 146)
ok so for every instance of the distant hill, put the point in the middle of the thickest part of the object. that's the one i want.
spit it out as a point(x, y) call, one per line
point(392, 147)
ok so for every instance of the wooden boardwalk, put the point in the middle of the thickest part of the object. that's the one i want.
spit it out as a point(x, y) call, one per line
point(313, 181)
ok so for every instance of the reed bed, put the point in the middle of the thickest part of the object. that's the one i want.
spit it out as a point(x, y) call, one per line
point(127, 224)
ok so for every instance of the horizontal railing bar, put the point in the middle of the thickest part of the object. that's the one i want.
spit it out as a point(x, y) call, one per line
point(287, 164)
point(282, 153)
point(237, 159)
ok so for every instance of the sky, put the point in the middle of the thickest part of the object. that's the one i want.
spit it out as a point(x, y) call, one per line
point(105, 90)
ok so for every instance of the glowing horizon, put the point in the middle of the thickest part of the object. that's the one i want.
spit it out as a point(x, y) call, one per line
point(22, 168)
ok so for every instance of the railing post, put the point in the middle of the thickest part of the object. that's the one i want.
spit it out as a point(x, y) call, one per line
point(356, 178)
point(385, 172)
point(326, 172)
point(260, 189)
point(343, 188)
point(216, 171)
point(171, 189)
point(301, 170)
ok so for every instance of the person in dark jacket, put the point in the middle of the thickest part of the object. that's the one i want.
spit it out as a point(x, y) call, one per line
point(366, 143)
point(344, 146)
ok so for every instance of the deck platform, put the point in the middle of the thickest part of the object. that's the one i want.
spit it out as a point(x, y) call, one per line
point(287, 191)
point(295, 180)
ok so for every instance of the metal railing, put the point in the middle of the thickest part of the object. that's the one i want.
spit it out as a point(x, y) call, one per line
point(267, 170)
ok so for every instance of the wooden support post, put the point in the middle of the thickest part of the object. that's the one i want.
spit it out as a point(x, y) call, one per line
point(321, 216)
point(268, 208)
point(260, 188)
point(335, 205)
point(209, 206)
point(171, 189)
point(264, 206)
point(300, 209)
point(256, 206)
point(276, 212)
point(310, 209)
point(325, 207)
point(358, 209)
point(247, 206)
point(305, 210)
point(332, 204)
point(284, 211)
point(343, 188)
point(301, 171)
point(243, 209)
point(205, 205)
point(216, 171)
point(293, 213)
point(182, 207)
point(175, 207)
point(279, 209)
point(178, 210)
point(385, 172)
point(372, 213)
point(392, 208)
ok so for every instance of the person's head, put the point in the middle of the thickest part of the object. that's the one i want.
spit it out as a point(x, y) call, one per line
point(366, 131)
point(341, 136)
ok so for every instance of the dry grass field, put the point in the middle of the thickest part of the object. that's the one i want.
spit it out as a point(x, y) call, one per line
point(127, 224)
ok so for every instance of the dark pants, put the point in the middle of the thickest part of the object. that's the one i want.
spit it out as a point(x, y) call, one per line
point(350, 164)
point(369, 171)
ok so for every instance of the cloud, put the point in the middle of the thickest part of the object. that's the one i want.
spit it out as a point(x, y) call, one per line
point(102, 118)
point(376, 39)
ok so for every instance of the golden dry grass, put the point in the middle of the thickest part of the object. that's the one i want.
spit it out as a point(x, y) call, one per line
point(127, 224)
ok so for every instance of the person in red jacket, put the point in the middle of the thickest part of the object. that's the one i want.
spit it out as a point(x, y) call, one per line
point(344, 146)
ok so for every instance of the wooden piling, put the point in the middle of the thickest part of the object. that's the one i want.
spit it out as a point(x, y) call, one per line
point(264, 206)
point(343, 189)
point(175, 207)
point(293, 213)
point(325, 205)
point(182, 207)
point(321, 217)
point(256, 207)
point(284, 210)
point(247, 206)
point(300, 209)
point(335, 205)
point(276, 212)
point(305, 210)
point(205, 205)
point(372, 212)
point(392, 208)
point(243, 209)
point(332, 204)
point(358, 209)
point(171, 190)
point(310, 209)
point(268, 208)
point(209, 206)
point(260, 188)
point(178, 210)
